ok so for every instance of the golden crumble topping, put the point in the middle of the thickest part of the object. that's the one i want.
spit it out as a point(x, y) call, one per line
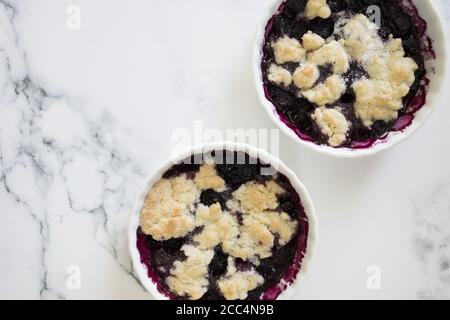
point(207, 178)
point(279, 75)
point(256, 202)
point(235, 285)
point(391, 73)
point(208, 238)
point(332, 53)
point(306, 75)
point(218, 226)
point(288, 50)
point(254, 238)
point(190, 277)
point(328, 92)
point(255, 197)
point(383, 61)
point(360, 37)
point(317, 8)
point(312, 41)
point(167, 209)
point(400, 69)
point(254, 242)
point(278, 223)
point(205, 214)
point(376, 100)
point(333, 124)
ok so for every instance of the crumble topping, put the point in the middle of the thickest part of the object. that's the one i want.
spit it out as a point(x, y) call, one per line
point(218, 226)
point(332, 53)
point(312, 41)
point(208, 238)
point(328, 92)
point(256, 197)
point(278, 223)
point(401, 68)
point(306, 75)
point(167, 209)
point(391, 73)
point(190, 277)
point(254, 238)
point(205, 214)
point(360, 37)
point(255, 241)
point(288, 50)
point(375, 100)
point(207, 178)
point(333, 124)
point(383, 61)
point(235, 285)
point(279, 75)
point(260, 223)
point(317, 8)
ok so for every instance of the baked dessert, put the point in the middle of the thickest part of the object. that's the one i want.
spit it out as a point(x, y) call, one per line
point(229, 228)
point(338, 78)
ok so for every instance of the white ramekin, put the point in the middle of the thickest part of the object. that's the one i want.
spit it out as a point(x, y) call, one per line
point(435, 72)
point(141, 270)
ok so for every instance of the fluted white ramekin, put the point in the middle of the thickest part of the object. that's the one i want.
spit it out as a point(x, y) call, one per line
point(141, 269)
point(436, 73)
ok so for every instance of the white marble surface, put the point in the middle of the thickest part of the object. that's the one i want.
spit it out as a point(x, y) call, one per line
point(86, 114)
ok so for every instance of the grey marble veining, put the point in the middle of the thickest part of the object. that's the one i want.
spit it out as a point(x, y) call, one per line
point(433, 241)
point(89, 175)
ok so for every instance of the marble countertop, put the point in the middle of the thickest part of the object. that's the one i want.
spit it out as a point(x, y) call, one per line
point(88, 108)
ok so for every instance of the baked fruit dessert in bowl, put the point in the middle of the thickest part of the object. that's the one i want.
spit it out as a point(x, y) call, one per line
point(349, 77)
point(222, 222)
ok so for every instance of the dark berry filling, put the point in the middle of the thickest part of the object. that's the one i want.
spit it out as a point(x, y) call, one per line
point(285, 262)
point(238, 168)
point(210, 196)
point(398, 18)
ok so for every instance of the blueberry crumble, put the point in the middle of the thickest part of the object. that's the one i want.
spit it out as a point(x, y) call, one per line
point(220, 231)
point(336, 77)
